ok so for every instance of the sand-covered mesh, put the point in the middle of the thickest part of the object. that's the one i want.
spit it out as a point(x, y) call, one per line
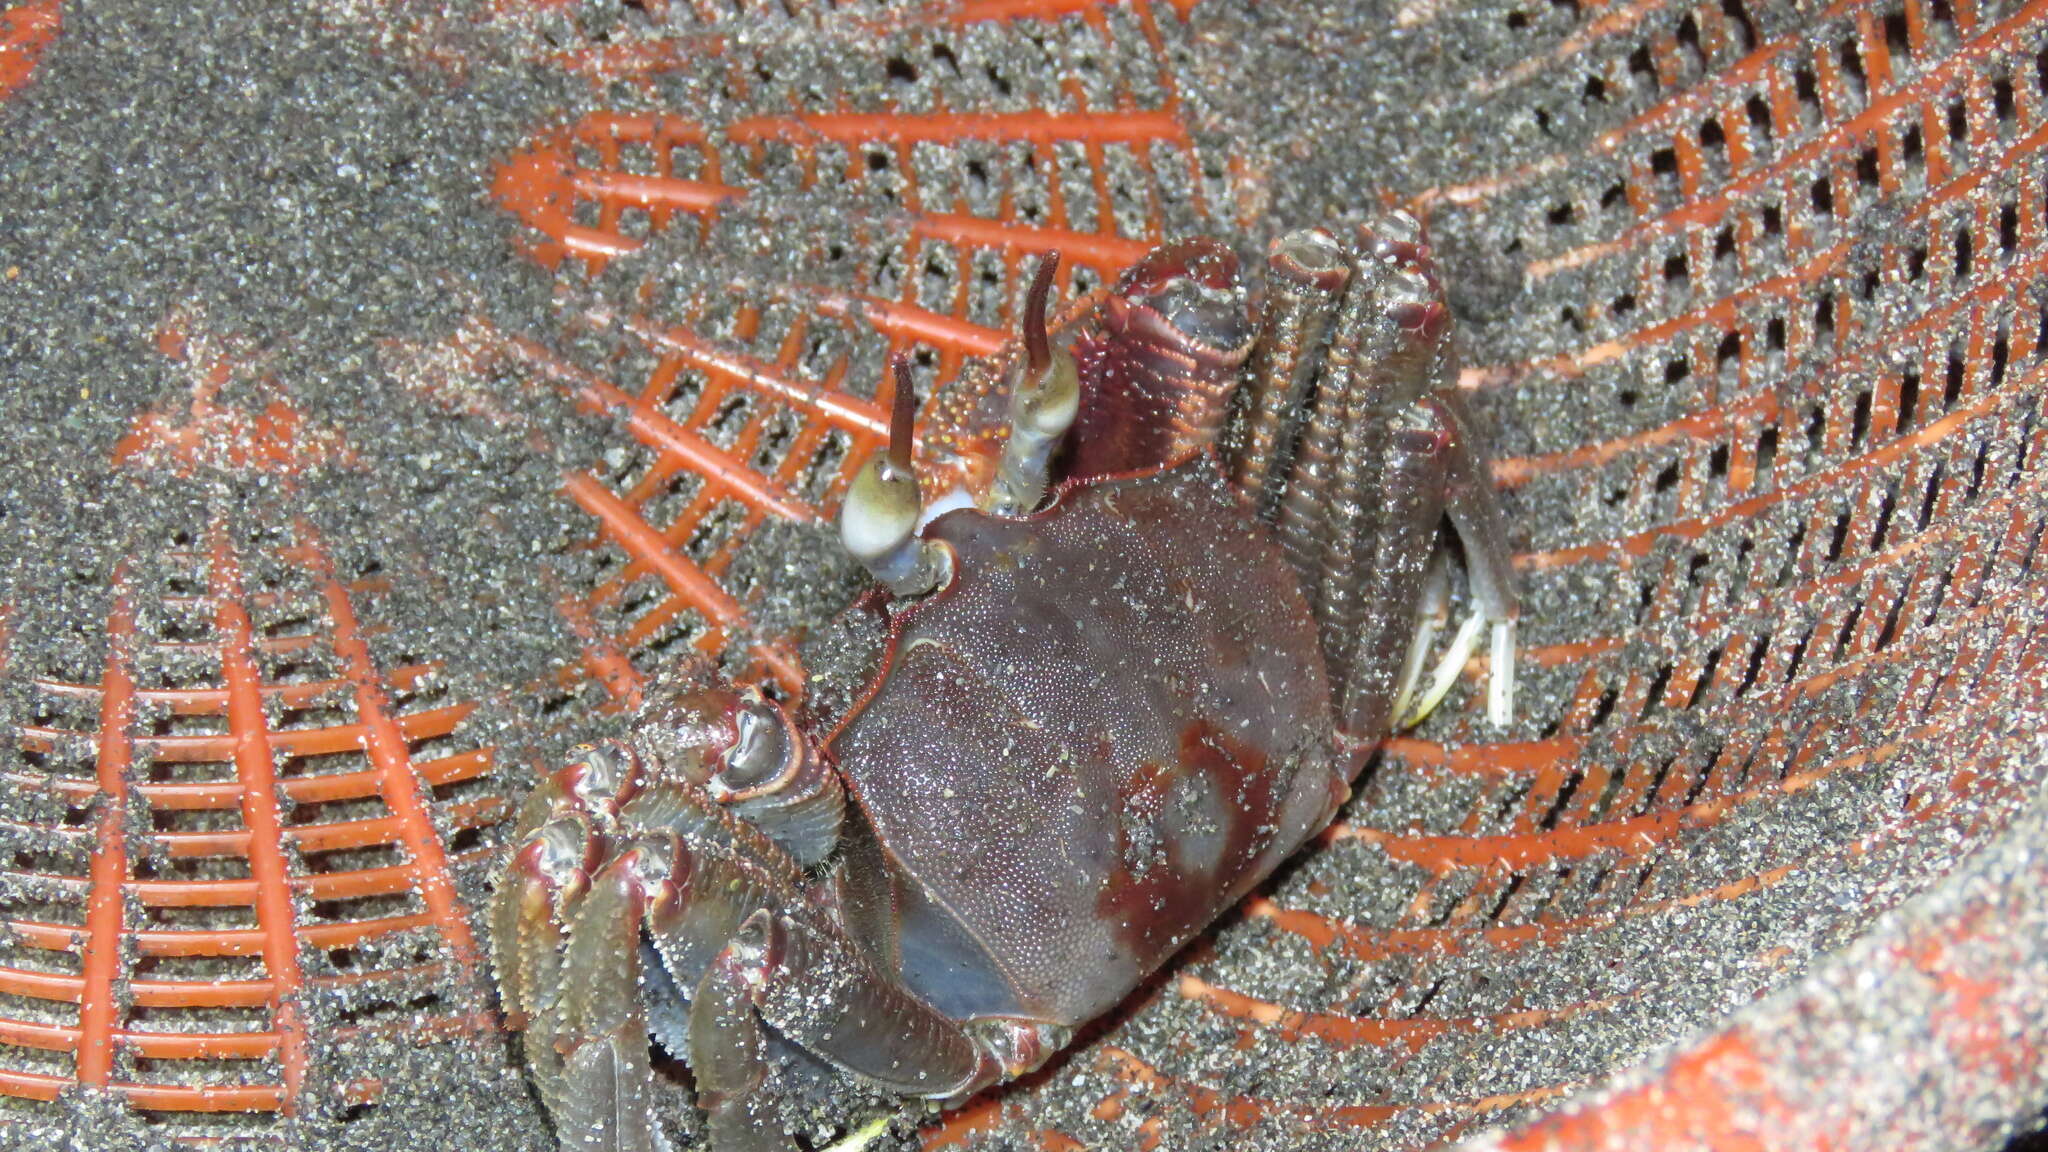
point(388, 396)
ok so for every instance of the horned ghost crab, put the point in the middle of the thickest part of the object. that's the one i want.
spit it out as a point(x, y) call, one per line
point(1198, 575)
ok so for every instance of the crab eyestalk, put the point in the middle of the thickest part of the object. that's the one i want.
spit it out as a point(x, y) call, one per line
point(879, 521)
point(1045, 396)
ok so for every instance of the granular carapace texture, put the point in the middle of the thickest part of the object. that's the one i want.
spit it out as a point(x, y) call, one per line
point(392, 396)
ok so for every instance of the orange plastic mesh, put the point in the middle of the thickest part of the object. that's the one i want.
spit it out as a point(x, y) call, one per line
point(25, 30)
point(229, 907)
point(1768, 395)
point(1809, 460)
point(247, 811)
point(739, 415)
point(205, 434)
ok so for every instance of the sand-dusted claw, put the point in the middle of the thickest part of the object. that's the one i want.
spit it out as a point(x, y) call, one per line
point(717, 914)
point(1159, 370)
point(617, 846)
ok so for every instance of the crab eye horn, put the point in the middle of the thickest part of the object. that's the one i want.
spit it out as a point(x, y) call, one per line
point(879, 519)
point(1037, 341)
point(1045, 396)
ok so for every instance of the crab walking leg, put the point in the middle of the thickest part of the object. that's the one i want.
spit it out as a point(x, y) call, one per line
point(1306, 275)
point(1445, 675)
point(1394, 580)
point(1303, 520)
point(588, 1046)
point(592, 1044)
point(1397, 336)
point(729, 1052)
point(1475, 513)
point(549, 872)
point(530, 926)
point(1430, 617)
point(528, 915)
point(708, 897)
point(1045, 396)
point(816, 991)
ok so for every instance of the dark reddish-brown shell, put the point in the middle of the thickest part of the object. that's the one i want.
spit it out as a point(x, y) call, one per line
point(1158, 362)
point(1106, 727)
point(1158, 351)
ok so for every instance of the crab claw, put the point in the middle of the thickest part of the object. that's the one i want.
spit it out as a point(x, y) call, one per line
point(775, 780)
point(1163, 360)
point(590, 1044)
point(746, 753)
point(549, 872)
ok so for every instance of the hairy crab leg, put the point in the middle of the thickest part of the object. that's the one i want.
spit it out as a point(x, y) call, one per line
point(559, 847)
point(709, 897)
point(1355, 512)
point(584, 951)
point(528, 925)
point(588, 1046)
point(1334, 514)
point(1432, 613)
point(1394, 336)
point(729, 1052)
point(1394, 581)
point(597, 1029)
point(817, 991)
point(1045, 396)
point(1469, 499)
point(1306, 275)
point(878, 522)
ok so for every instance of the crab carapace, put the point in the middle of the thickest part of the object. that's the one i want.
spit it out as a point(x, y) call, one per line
point(1200, 571)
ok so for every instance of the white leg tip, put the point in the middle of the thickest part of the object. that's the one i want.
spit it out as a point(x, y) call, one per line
point(1447, 671)
point(862, 1136)
point(1500, 685)
point(1411, 667)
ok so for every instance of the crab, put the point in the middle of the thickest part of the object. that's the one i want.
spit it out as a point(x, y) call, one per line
point(1188, 568)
